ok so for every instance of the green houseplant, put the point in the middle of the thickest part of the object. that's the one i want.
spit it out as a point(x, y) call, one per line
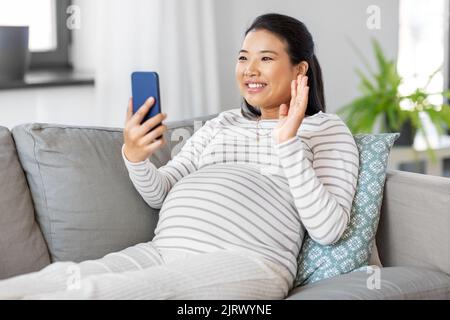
point(380, 97)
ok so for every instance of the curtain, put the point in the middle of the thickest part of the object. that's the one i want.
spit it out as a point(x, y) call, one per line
point(175, 38)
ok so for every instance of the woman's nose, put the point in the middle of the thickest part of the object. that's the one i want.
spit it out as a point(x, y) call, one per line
point(251, 70)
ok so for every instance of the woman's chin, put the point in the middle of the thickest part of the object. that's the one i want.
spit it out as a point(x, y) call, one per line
point(255, 102)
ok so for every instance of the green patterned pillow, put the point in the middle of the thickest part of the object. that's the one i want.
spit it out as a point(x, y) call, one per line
point(353, 250)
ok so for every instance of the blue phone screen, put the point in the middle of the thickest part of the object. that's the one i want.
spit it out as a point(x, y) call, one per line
point(145, 85)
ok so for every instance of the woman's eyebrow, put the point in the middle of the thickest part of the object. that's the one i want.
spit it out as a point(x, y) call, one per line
point(269, 51)
point(262, 51)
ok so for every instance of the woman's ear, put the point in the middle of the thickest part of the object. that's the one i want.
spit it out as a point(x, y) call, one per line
point(302, 68)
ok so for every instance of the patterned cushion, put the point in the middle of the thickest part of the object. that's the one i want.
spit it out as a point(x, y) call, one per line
point(353, 250)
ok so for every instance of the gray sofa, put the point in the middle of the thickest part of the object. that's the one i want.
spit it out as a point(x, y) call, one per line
point(65, 195)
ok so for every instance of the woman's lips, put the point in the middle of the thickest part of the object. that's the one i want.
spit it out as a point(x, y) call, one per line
point(255, 88)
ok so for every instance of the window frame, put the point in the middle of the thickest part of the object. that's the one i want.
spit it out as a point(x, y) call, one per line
point(59, 57)
point(447, 56)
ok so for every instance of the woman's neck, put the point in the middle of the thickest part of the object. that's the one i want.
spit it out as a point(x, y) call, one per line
point(270, 113)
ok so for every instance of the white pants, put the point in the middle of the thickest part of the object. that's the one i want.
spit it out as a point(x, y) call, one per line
point(145, 272)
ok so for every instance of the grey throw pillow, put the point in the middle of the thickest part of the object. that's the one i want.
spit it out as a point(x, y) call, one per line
point(85, 202)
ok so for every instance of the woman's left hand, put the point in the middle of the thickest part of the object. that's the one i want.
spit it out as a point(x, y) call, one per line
point(291, 118)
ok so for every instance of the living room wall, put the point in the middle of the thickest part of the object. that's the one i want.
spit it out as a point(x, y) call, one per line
point(334, 24)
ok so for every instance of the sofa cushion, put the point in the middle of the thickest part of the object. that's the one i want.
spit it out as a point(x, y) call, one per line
point(22, 247)
point(84, 200)
point(399, 283)
point(353, 250)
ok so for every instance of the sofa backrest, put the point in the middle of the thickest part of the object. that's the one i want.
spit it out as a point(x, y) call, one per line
point(84, 201)
point(22, 247)
point(87, 207)
point(414, 228)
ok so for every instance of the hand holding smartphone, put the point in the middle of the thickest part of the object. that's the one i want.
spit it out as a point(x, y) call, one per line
point(143, 86)
point(143, 132)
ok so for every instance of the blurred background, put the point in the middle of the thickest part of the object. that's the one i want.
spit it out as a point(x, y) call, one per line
point(79, 55)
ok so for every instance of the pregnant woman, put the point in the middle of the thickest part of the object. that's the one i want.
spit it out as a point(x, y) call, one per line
point(238, 198)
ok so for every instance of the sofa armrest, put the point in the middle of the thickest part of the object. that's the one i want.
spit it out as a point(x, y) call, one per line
point(414, 227)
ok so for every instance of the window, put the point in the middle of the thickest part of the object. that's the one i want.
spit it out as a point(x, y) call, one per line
point(421, 51)
point(49, 36)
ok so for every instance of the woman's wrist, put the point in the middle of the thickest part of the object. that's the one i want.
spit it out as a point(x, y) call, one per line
point(130, 157)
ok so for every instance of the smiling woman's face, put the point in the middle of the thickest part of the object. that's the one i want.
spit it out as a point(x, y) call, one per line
point(264, 70)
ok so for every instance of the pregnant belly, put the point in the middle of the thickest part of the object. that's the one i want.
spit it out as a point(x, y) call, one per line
point(229, 206)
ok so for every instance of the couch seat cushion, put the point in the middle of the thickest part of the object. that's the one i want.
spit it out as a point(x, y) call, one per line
point(400, 283)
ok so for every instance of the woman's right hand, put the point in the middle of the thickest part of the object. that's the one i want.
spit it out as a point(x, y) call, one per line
point(140, 142)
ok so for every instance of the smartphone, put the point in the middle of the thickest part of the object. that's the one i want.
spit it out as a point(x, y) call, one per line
point(143, 86)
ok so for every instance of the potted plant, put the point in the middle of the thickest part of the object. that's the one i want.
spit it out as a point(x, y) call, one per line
point(380, 97)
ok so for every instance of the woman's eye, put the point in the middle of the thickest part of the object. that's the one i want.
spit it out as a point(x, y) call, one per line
point(266, 58)
point(242, 58)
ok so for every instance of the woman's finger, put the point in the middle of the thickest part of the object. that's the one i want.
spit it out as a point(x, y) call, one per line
point(283, 112)
point(129, 109)
point(152, 122)
point(301, 88)
point(293, 92)
point(154, 146)
point(155, 133)
point(304, 103)
point(143, 110)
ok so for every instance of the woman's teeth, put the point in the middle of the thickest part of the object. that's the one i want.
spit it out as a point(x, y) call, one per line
point(256, 85)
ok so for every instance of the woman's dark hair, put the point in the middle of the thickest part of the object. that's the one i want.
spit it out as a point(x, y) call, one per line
point(300, 47)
